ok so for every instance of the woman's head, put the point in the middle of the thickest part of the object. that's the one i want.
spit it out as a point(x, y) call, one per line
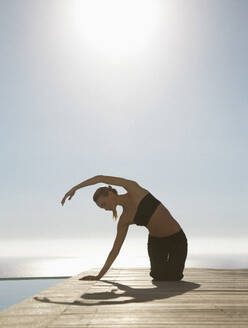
point(105, 197)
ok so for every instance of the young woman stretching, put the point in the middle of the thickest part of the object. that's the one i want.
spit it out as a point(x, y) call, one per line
point(167, 243)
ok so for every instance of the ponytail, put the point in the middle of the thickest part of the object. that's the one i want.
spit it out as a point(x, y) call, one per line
point(114, 210)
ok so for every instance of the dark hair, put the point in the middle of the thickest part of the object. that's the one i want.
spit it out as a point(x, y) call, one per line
point(103, 191)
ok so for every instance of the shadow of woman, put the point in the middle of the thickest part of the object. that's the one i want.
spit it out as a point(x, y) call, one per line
point(164, 289)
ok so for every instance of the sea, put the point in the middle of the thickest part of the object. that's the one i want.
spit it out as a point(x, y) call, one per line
point(23, 276)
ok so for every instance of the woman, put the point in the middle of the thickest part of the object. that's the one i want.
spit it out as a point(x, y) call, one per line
point(167, 244)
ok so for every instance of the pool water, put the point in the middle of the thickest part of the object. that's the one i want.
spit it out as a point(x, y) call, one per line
point(15, 291)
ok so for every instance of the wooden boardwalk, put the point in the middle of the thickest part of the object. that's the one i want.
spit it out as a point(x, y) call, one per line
point(129, 298)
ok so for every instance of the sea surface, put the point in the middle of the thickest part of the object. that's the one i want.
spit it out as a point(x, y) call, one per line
point(23, 277)
point(59, 267)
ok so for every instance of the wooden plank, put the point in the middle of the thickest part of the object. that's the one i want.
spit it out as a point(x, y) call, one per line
point(129, 298)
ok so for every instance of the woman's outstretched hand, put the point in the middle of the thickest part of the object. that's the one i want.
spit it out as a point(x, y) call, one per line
point(89, 278)
point(69, 194)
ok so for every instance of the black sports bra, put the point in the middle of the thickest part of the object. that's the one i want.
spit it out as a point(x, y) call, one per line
point(145, 209)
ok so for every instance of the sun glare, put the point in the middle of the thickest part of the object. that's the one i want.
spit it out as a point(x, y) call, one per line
point(116, 27)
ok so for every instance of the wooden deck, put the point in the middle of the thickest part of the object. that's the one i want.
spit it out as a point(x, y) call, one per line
point(128, 298)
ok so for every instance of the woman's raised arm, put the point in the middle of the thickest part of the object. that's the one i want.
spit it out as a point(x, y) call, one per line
point(129, 185)
point(88, 182)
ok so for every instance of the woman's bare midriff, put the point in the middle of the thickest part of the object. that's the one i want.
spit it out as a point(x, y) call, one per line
point(161, 223)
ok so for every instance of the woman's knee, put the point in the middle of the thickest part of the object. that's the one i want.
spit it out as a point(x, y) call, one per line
point(166, 277)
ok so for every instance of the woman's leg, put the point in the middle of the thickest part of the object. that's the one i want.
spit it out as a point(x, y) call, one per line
point(178, 250)
point(174, 247)
point(158, 255)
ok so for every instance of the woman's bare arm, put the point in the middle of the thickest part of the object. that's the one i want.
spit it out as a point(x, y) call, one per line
point(120, 237)
point(117, 181)
point(129, 185)
point(88, 182)
point(85, 183)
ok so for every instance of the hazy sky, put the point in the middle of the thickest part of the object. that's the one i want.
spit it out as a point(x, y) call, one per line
point(153, 91)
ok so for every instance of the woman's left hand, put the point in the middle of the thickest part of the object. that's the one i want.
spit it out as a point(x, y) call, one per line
point(69, 194)
point(89, 278)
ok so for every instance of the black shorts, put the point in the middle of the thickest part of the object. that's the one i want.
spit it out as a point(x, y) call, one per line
point(167, 256)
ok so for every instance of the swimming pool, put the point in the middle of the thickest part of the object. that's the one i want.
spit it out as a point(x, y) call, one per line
point(13, 291)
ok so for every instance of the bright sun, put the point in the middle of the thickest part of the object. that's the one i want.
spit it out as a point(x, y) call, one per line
point(116, 27)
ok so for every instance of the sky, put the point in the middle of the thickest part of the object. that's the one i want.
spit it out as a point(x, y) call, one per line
point(152, 91)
